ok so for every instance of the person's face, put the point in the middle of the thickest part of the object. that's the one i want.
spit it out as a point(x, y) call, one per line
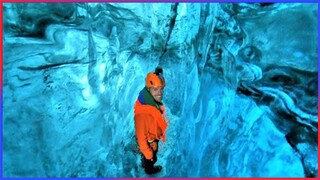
point(156, 93)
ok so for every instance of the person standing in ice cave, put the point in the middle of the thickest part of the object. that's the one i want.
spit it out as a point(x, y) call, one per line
point(150, 120)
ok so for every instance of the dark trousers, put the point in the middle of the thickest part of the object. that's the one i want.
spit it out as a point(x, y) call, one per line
point(148, 164)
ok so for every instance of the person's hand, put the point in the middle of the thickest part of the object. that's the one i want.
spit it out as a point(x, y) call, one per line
point(154, 146)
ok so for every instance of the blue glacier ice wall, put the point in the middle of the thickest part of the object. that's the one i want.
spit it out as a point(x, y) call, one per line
point(241, 88)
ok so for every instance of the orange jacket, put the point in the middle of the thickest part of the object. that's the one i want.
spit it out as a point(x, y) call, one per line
point(150, 124)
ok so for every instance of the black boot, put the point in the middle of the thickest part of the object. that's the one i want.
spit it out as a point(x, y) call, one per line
point(149, 167)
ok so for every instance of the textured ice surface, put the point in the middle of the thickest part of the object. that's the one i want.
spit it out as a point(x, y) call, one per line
point(241, 88)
